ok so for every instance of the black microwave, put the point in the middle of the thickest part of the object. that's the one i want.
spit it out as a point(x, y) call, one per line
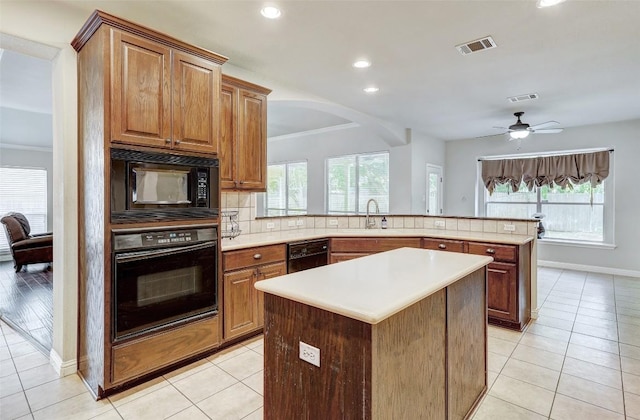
point(148, 186)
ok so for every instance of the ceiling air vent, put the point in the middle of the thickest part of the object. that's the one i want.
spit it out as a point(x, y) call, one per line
point(477, 45)
point(520, 98)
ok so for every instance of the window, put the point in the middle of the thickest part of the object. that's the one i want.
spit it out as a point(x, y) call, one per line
point(286, 189)
point(575, 211)
point(353, 180)
point(569, 213)
point(24, 190)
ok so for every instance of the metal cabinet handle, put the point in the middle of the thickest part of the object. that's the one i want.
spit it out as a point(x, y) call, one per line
point(167, 141)
point(241, 182)
point(177, 141)
point(257, 256)
point(491, 251)
point(442, 246)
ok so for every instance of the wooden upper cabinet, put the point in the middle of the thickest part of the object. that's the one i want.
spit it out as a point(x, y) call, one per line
point(252, 140)
point(243, 135)
point(162, 97)
point(196, 103)
point(162, 92)
point(141, 79)
point(227, 152)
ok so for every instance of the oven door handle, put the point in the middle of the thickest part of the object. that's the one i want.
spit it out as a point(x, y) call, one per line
point(141, 255)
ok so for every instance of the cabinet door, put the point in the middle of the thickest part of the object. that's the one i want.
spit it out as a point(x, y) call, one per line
point(251, 141)
point(140, 90)
point(227, 148)
point(502, 291)
point(239, 302)
point(196, 102)
point(267, 272)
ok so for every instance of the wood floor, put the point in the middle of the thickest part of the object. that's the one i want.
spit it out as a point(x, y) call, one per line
point(26, 302)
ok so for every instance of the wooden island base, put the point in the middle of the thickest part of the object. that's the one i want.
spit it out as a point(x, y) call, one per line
point(427, 361)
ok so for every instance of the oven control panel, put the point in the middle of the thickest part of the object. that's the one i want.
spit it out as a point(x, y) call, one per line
point(126, 239)
point(164, 238)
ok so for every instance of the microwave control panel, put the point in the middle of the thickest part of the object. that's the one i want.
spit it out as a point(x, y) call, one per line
point(203, 181)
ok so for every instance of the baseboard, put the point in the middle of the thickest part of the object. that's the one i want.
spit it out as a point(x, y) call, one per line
point(62, 368)
point(591, 268)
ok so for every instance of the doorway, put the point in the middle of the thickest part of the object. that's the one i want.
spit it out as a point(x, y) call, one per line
point(26, 165)
point(434, 190)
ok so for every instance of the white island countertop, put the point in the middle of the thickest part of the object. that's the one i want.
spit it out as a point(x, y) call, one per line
point(372, 288)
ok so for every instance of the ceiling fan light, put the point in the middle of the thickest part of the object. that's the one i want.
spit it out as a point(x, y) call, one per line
point(519, 134)
point(362, 64)
point(270, 12)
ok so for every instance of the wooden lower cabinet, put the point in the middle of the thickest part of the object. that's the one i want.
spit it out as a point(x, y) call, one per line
point(503, 291)
point(243, 304)
point(509, 283)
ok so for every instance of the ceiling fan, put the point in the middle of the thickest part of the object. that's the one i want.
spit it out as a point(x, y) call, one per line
point(521, 130)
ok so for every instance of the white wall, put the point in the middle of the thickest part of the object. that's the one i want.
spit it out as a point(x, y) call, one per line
point(33, 159)
point(460, 173)
point(406, 163)
point(47, 23)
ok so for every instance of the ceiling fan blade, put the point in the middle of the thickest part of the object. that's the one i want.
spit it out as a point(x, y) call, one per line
point(548, 131)
point(492, 135)
point(544, 124)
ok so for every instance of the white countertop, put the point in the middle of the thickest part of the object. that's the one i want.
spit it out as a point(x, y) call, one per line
point(284, 236)
point(372, 288)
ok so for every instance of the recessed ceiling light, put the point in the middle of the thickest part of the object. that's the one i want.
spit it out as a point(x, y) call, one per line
point(371, 89)
point(362, 64)
point(548, 3)
point(270, 12)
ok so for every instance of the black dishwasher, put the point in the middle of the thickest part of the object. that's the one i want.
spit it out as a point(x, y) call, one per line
point(307, 254)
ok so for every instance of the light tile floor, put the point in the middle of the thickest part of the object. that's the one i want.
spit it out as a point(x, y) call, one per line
point(579, 360)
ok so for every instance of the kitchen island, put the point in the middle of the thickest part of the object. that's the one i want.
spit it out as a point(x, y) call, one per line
point(399, 334)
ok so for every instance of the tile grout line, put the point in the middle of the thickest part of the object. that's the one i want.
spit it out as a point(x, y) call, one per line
point(615, 307)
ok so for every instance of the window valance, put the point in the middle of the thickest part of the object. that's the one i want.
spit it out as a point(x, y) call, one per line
point(562, 170)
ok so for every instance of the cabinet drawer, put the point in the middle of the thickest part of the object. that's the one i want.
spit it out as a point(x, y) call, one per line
point(443, 244)
point(372, 245)
point(241, 258)
point(498, 252)
point(154, 352)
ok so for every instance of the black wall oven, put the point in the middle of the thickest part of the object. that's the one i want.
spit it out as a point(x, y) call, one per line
point(163, 277)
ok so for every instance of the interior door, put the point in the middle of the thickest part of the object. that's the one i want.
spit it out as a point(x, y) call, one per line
point(434, 190)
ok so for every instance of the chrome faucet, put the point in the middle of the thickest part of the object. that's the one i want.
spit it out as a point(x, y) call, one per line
point(370, 223)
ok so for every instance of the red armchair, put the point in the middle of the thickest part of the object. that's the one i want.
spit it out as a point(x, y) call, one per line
point(26, 248)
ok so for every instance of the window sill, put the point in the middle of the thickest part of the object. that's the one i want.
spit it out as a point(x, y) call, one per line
point(579, 244)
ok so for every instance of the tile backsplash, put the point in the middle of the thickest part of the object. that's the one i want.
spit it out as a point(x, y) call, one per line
point(245, 204)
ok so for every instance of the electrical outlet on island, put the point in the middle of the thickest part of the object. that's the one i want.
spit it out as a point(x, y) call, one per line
point(439, 223)
point(310, 354)
point(509, 227)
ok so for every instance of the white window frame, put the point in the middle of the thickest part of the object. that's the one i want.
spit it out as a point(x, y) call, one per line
point(357, 183)
point(434, 169)
point(608, 227)
point(287, 210)
point(35, 226)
